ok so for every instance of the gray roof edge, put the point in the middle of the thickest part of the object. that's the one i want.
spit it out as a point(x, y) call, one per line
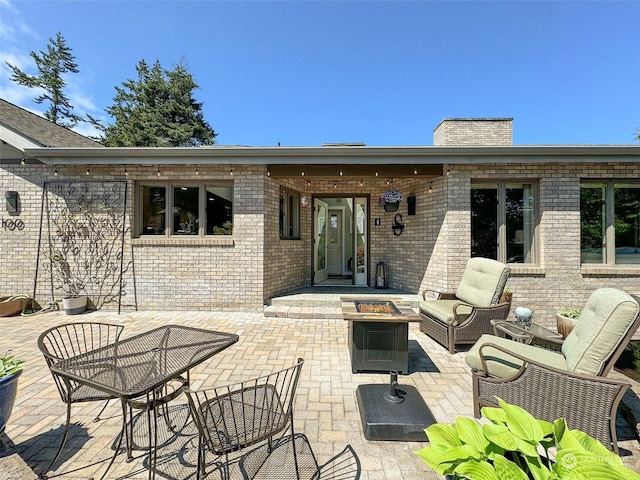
point(357, 154)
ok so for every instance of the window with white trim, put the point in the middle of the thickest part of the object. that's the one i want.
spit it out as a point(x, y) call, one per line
point(289, 214)
point(503, 221)
point(185, 208)
point(610, 222)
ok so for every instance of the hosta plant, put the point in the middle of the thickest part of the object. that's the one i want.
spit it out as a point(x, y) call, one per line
point(514, 445)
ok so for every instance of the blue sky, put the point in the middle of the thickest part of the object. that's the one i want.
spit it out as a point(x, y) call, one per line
point(383, 73)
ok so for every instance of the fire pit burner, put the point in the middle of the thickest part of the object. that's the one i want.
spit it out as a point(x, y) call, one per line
point(376, 307)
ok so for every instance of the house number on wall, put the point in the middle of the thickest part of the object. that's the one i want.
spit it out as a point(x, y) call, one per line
point(11, 224)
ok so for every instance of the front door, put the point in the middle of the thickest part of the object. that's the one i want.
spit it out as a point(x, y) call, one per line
point(335, 242)
point(320, 241)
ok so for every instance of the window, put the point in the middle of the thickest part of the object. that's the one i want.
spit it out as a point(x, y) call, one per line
point(610, 222)
point(185, 209)
point(289, 214)
point(503, 221)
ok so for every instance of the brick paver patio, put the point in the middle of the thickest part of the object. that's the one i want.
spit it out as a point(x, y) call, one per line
point(326, 410)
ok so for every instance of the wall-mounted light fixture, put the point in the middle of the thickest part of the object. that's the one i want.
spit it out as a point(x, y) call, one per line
point(22, 162)
point(430, 188)
point(13, 202)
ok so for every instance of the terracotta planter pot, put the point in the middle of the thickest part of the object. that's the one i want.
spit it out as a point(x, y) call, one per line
point(565, 324)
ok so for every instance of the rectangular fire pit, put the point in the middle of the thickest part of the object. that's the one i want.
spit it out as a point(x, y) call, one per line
point(374, 306)
point(378, 334)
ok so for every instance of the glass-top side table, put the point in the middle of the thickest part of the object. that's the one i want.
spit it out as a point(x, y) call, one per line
point(532, 334)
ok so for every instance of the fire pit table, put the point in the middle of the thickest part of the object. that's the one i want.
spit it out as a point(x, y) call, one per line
point(378, 333)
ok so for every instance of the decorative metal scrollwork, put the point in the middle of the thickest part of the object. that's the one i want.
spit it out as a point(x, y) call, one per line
point(83, 247)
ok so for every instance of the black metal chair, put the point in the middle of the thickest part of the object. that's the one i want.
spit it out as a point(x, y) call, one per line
point(70, 340)
point(73, 339)
point(237, 416)
point(292, 458)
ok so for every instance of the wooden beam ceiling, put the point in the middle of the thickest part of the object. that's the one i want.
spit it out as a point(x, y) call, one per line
point(359, 171)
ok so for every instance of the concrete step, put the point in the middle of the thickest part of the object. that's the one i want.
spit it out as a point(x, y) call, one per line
point(323, 302)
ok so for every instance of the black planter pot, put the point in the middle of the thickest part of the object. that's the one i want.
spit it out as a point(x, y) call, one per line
point(391, 207)
point(8, 392)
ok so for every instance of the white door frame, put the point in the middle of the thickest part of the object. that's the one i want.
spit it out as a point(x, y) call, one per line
point(319, 275)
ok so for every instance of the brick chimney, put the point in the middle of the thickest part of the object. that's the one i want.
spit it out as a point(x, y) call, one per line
point(474, 132)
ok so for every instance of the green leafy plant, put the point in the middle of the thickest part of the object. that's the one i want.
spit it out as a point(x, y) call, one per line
point(9, 365)
point(570, 312)
point(514, 445)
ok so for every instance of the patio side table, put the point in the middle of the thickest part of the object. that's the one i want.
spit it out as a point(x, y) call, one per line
point(532, 334)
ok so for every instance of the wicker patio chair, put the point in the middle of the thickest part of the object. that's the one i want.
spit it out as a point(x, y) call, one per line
point(571, 383)
point(292, 458)
point(462, 317)
point(237, 416)
point(69, 340)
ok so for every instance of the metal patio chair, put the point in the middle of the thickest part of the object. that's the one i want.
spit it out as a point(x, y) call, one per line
point(571, 383)
point(292, 458)
point(237, 416)
point(462, 317)
point(67, 341)
point(72, 339)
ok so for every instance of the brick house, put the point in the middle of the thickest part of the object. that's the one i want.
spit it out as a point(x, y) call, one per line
point(229, 227)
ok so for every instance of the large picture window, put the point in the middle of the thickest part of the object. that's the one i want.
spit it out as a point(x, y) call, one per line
point(289, 214)
point(610, 222)
point(172, 209)
point(503, 221)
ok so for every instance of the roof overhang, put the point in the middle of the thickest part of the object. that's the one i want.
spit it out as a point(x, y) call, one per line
point(337, 155)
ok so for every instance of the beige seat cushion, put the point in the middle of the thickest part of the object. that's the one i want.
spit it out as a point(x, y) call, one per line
point(482, 282)
point(442, 310)
point(502, 365)
point(604, 321)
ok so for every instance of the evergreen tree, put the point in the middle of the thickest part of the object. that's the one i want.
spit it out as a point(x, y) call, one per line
point(51, 66)
point(157, 110)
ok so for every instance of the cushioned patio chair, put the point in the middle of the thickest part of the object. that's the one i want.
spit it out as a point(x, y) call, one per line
point(571, 383)
point(462, 317)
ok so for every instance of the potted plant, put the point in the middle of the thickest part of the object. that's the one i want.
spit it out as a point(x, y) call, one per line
point(507, 295)
point(72, 250)
point(390, 200)
point(515, 445)
point(566, 319)
point(10, 370)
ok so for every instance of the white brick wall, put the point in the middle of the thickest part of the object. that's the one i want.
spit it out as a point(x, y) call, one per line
point(473, 131)
point(431, 252)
